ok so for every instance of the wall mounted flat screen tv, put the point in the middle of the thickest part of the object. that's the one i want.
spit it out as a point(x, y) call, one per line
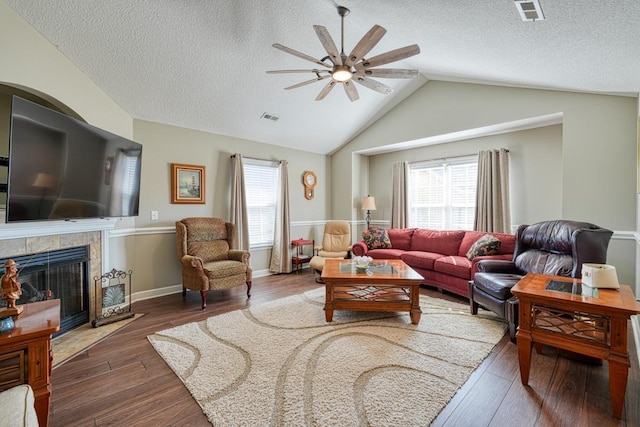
point(62, 168)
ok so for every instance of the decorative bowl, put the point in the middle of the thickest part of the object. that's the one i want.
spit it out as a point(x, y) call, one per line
point(362, 263)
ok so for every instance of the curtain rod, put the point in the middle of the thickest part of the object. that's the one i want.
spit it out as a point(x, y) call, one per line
point(255, 158)
point(447, 158)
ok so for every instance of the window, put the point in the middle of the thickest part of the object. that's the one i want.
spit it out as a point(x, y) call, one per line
point(261, 187)
point(442, 194)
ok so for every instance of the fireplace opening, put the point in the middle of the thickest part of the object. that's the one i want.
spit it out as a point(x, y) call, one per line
point(64, 274)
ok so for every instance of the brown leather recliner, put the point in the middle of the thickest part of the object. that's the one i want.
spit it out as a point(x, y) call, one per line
point(557, 248)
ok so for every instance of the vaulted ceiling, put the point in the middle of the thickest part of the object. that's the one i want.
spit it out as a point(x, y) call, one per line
point(202, 64)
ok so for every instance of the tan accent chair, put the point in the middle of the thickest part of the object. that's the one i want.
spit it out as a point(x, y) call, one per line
point(17, 407)
point(336, 243)
point(209, 262)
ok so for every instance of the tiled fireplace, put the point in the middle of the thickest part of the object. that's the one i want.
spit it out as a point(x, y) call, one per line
point(40, 251)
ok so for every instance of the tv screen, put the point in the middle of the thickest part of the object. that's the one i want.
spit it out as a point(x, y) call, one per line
point(63, 168)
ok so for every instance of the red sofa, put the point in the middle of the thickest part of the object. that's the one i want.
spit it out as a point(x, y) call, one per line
point(439, 256)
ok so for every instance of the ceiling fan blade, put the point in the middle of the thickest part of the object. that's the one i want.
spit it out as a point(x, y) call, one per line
point(387, 73)
point(351, 90)
point(326, 90)
point(299, 54)
point(306, 82)
point(366, 43)
point(387, 57)
point(298, 71)
point(328, 43)
point(374, 85)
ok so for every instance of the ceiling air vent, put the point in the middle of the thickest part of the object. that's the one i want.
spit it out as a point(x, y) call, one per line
point(269, 117)
point(529, 10)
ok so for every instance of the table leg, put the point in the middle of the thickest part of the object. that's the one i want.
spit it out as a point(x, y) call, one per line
point(415, 315)
point(618, 365)
point(415, 312)
point(525, 343)
point(328, 302)
point(618, 373)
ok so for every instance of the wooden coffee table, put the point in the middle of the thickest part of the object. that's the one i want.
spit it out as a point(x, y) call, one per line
point(553, 311)
point(388, 285)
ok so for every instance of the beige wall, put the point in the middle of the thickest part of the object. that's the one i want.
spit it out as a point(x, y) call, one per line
point(534, 196)
point(164, 144)
point(598, 152)
point(598, 141)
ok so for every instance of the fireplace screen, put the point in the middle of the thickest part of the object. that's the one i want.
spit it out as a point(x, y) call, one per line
point(61, 274)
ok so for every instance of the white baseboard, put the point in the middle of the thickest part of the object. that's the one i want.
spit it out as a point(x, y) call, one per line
point(175, 289)
point(154, 293)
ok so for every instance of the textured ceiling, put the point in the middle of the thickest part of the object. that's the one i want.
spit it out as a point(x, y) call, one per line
point(201, 64)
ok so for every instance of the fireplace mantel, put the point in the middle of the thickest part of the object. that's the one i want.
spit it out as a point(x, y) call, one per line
point(34, 237)
point(48, 228)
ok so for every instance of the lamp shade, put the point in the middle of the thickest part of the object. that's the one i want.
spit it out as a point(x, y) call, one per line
point(368, 203)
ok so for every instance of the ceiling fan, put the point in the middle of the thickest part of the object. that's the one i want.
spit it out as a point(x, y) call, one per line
point(354, 67)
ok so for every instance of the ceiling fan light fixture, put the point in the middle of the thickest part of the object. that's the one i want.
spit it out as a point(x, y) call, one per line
point(347, 69)
point(341, 73)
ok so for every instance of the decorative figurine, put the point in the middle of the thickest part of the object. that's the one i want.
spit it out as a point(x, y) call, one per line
point(11, 289)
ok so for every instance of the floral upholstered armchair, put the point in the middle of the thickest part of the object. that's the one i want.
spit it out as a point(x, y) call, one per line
point(205, 248)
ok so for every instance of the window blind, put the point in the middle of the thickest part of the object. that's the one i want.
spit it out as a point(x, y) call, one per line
point(261, 188)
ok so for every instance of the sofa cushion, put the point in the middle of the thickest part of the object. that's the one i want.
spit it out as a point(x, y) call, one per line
point(389, 253)
point(454, 265)
point(376, 238)
point(485, 245)
point(416, 259)
point(214, 250)
point(497, 285)
point(400, 237)
point(437, 241)
point(542, 262)
point(507, 245)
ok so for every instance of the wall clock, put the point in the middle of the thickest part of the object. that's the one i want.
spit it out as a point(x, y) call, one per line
point(309, 180)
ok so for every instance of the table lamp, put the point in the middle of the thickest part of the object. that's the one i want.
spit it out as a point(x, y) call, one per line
point(368, 204)
point(599, 276)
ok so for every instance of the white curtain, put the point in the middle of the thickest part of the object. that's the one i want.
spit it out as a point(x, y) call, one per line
point(281, 250)
point(238, 214)
point(400, 172)
point(492, 199)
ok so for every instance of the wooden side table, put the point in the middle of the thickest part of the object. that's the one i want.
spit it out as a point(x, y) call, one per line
point(25, 353)
point(554, 312)
point(300, 258)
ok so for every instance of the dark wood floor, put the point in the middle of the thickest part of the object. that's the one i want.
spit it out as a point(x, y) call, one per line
point(122, 381)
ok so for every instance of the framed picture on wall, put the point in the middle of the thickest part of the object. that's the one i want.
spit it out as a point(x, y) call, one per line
point(187, 183)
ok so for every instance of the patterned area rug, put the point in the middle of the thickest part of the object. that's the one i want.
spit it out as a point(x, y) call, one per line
point(280, 363)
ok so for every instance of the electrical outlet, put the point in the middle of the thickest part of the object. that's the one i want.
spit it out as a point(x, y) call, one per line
point(154, 215)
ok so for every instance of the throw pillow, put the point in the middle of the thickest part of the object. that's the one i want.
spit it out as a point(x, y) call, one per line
point(376, 238)
point(485, 245)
